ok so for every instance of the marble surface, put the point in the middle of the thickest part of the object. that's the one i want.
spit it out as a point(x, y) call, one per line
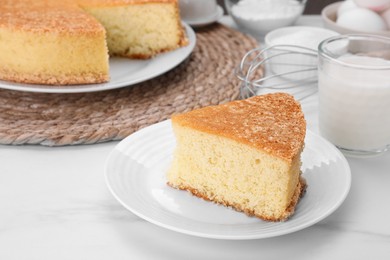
point(54, 204)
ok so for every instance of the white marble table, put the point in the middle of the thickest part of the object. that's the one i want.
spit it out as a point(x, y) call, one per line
point(54, 204)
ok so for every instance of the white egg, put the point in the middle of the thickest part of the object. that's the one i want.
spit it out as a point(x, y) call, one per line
point(361, 19)
point(374, 5)
point(386, 16)
point(346, 6)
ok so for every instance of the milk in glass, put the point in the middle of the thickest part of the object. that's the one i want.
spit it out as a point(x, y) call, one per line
point(354, 102)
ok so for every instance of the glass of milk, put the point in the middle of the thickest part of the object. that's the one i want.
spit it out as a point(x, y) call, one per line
point(354, 93)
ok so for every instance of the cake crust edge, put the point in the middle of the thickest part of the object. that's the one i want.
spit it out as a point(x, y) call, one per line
point(298, 194)
point(40, 79)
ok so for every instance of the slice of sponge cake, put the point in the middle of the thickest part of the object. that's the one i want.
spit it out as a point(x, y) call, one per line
point(244, 154)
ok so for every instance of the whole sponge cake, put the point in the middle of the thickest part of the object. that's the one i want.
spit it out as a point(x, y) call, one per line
point(51, 43)
point(67, 42)
point(244, 154)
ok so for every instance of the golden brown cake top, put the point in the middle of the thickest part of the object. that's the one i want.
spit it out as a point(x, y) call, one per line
point(57, 16)
point(62, 17)
point(273, 123)
point(121, 2)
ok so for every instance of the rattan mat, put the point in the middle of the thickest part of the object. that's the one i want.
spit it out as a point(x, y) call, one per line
point(205, 78)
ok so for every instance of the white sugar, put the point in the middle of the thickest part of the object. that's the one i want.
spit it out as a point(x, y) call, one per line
point(266, 9)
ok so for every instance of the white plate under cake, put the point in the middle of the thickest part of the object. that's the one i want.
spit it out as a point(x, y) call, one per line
point(123, 71)
point(136, 169)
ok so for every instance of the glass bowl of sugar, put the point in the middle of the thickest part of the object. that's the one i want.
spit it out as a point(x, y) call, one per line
point(258, 17)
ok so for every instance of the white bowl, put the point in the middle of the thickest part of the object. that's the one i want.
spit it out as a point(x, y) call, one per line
point(193, 10)
point(329, 17)
point(258, 18)
point(303, 36)
point(299, 36)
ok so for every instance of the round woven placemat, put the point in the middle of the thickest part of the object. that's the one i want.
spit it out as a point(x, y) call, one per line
point(205, 78)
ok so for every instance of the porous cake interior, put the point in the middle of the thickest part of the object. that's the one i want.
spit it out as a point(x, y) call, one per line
point(71, 54)
point(234, 174)
point(154, 28)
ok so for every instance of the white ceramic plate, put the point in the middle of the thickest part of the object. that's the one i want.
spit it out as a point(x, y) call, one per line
point(123, 72)
point(135, 174)
point(207, 20)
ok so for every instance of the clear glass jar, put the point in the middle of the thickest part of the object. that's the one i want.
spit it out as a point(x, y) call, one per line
point(354, 93)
